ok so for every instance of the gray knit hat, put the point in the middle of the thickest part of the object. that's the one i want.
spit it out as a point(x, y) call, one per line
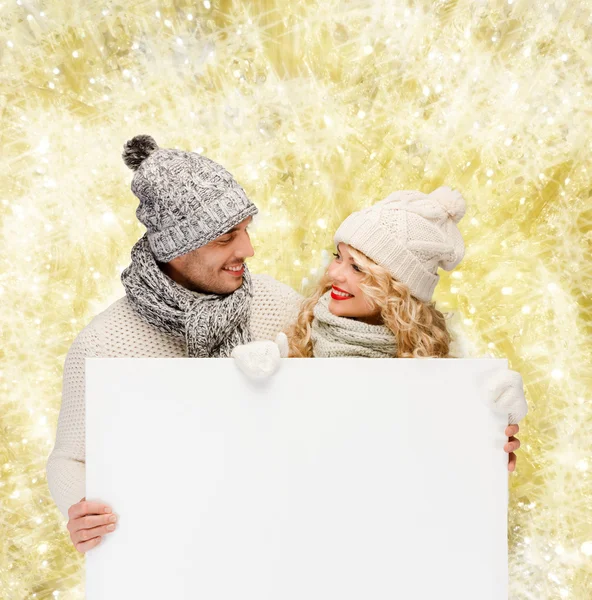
point(186, 200)
point(411, 234)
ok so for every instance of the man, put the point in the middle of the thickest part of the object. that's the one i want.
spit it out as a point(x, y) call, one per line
point(188, 294)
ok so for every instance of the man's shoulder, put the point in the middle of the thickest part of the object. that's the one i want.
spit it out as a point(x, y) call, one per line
point(89, 338)
point(116, 309)
point(119, 331)
point(266, 286)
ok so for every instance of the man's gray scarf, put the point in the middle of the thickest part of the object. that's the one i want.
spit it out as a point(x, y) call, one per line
point(334, 336)
point(211, 324)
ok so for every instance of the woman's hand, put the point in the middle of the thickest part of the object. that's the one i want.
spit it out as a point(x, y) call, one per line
point(505, 394)
point(88, 522)
point(259, 360)
point(513, 444)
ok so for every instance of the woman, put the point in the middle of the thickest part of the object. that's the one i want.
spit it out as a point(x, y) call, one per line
point(375, 300)
point(376, 296)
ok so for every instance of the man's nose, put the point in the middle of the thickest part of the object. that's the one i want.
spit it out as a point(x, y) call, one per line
point(245, 248)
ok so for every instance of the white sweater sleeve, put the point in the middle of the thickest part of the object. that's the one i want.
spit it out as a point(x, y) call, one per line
point(65, 468)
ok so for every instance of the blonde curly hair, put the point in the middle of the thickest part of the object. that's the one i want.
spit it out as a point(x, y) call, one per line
point(419, 327)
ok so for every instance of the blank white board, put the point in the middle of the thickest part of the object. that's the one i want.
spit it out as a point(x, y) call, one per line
point(335, 479)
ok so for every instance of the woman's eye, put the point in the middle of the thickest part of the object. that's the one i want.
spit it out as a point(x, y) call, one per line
point(356, 268)
point(336, 255)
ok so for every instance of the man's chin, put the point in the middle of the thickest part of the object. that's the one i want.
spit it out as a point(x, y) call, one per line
point(232, 282)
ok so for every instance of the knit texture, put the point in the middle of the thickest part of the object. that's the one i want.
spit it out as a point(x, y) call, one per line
point(503, 389)
point(211, 324)
point(118, 332)
point(260, 359)
point(333, 336)
point(411, 234)
point(186, 199)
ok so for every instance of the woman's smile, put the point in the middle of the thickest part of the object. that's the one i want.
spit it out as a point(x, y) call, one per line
point(339, 294)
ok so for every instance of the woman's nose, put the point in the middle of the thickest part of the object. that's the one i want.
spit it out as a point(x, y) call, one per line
point(336, 272)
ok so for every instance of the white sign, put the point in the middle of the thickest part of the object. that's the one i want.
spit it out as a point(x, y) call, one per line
point(335, 479)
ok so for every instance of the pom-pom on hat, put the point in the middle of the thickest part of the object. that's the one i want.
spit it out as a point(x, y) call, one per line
point(137, 149)
point(186, 199)
point(411, 234)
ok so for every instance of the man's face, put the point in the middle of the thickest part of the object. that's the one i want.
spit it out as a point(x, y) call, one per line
point(217, 267)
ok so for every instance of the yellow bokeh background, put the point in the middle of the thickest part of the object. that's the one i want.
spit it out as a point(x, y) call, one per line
point(317, 108)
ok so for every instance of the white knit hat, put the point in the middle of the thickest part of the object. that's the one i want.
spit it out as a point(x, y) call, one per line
point(410, 234)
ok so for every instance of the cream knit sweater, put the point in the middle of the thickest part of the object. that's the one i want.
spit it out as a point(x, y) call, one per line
point(118, 332)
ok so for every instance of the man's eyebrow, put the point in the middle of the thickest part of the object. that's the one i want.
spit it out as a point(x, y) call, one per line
point(236, 227)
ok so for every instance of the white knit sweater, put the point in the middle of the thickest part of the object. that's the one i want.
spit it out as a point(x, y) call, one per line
point(118, 332)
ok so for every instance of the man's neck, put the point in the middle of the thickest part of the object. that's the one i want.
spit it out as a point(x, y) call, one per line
point(177, 277)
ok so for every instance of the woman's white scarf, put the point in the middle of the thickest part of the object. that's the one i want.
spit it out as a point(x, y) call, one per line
point(334, 336)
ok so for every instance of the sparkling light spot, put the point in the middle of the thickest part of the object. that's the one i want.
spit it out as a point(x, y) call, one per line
point(339, 88)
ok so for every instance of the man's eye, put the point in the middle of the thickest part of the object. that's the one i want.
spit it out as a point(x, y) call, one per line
point(224, 241)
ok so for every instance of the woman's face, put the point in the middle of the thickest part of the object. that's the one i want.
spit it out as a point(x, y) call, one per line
point(347, 299)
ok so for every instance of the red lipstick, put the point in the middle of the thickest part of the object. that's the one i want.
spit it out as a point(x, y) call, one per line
point(336, 297)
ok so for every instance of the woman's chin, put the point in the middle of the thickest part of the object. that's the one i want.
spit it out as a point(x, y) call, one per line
point(333, 309)
point(336, 309)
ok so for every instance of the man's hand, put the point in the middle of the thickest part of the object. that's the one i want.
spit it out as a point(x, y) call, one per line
point(88, 521)
point(513, 444)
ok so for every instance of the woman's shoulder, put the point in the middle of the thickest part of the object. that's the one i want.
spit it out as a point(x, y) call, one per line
point(462, 344)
